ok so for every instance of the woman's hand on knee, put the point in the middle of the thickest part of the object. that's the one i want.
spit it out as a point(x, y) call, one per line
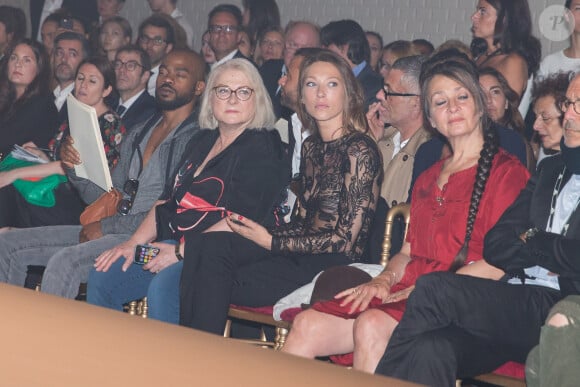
point(360, 297)
point(165, 258)
point(106, 259)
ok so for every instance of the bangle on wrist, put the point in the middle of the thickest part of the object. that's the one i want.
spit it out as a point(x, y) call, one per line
point(178, 253)
point(392, 277)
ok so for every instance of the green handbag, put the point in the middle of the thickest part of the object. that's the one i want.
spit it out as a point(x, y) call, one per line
point(39, 192)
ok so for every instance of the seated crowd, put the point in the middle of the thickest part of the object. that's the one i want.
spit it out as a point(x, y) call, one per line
point(241, 172)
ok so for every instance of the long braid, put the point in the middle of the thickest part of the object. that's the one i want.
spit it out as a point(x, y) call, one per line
point(490, 148)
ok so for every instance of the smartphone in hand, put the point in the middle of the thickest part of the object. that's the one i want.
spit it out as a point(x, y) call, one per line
point(144, 254)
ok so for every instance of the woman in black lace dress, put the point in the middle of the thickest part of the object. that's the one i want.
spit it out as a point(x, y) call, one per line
point(341, 175)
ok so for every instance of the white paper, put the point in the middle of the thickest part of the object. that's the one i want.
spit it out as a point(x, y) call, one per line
point(86, 133)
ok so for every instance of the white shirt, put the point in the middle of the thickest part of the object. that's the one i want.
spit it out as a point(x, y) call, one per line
point(225, 58)
point(566, 204)
point(178, 16)
point(398, 144)
point(61, 94)
point(152, 83)
point(299, 136)
point(128, 103)
point(49, 7)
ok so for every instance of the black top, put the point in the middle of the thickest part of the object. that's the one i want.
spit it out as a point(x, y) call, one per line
point(35, 120)
point(246, 177)
point(341, 180)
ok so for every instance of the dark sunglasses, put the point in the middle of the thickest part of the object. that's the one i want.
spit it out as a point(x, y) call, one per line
point(130, 187)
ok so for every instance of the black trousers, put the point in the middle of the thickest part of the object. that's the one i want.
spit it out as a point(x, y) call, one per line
point(222, 268)
point(458, 326)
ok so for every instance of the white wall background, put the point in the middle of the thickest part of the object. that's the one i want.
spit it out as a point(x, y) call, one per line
point(436, 20)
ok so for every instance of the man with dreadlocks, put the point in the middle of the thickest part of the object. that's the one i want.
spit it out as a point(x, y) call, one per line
point(454, 203)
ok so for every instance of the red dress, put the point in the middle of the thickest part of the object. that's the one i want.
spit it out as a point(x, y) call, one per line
point(437, 227)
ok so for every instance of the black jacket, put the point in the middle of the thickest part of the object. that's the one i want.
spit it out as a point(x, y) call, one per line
point(504, 249)
point(142, 109)
point(371, 83)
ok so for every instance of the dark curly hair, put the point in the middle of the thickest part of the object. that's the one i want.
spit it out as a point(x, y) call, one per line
point(456, 66)
point(554, 85)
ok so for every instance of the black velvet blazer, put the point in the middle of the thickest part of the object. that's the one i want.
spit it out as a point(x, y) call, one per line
point(560, 254)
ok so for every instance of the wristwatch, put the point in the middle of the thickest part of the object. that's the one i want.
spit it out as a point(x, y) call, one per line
point(529, 234)
point(178, 253)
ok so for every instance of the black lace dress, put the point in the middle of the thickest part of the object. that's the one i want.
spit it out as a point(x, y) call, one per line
point(341, 182)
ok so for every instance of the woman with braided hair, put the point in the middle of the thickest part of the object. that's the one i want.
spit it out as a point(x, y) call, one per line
point(454, 203)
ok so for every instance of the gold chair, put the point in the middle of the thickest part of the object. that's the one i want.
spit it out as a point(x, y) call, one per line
point(282, 328)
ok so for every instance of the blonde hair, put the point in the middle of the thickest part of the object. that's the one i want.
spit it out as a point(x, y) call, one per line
point(264, 113)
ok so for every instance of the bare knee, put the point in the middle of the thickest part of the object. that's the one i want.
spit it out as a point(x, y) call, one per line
point(306, 327)
point(558, 320)
point(373, 327)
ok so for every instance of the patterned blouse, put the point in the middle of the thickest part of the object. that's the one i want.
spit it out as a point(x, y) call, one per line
point(112, 132)
point(341, 181)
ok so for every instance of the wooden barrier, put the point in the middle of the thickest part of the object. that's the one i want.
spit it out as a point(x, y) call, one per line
point(49, 341)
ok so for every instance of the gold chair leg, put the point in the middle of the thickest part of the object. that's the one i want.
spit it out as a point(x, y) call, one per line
point(144, 308)
point(280, 339)
point(228, 328)
point(133, 308)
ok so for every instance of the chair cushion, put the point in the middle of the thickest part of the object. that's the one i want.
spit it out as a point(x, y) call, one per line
point(512, 369)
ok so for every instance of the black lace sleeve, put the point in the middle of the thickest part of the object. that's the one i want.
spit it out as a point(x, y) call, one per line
point(342, 181)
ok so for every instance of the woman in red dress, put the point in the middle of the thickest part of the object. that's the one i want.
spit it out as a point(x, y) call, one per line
point(454, 203)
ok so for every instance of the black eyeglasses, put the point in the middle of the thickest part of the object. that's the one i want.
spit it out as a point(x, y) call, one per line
point(391, 94)
point(157, 41)
point(130, 65)
point(216, 29)
point(564, 105)
point(242, 93)
point(130, 187)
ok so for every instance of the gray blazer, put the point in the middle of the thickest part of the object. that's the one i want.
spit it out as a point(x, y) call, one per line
point(153, 177)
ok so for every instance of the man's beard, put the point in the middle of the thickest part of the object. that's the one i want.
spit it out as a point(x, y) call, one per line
point(67, 75)
point(176, 103)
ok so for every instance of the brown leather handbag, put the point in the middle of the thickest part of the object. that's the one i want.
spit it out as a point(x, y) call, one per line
point(105, 206)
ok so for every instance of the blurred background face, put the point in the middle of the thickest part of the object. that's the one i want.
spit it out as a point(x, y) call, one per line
point(547, 123)
point(90, 85)
point(272, 45)
point(22, 67)
point(109, 8)
point(112, 37)
point(206, 51)
point(47, 33)
point(375, 46)
point(299, 36)
point(4, 38)
point(223, 42)
point(289, 83)
point(154, 41)
point(156, 5)
point(387, 60)
point(496, 101)
point(244, 45)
